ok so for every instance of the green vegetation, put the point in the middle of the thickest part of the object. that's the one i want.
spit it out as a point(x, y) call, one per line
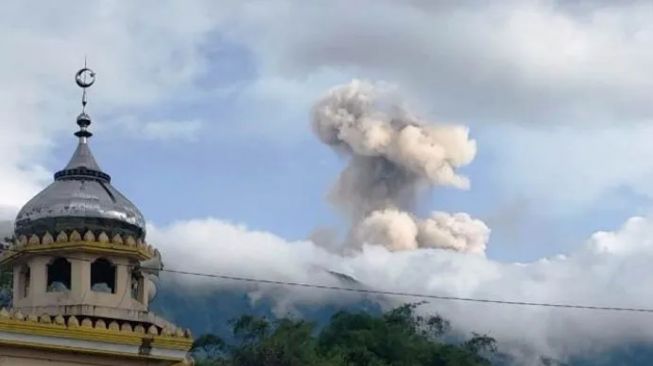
point(399, 337)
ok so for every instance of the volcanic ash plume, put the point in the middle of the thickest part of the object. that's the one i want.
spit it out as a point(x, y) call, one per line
point(393, 156)
point(458, 232)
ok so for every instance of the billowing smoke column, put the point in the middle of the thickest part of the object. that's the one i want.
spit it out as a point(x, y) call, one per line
point(393, 157)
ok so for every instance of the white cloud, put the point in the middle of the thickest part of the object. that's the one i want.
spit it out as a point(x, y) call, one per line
point(140, 62)
point(608, 270)
point(534, 61)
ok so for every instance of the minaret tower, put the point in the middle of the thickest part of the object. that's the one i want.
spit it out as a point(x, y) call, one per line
point(80, 259)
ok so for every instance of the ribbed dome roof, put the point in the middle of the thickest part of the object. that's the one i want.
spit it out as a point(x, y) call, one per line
point(80, 198)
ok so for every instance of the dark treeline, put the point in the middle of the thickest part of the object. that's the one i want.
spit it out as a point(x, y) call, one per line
point(399, 337)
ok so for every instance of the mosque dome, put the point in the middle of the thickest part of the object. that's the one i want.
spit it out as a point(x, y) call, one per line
point(81, 198)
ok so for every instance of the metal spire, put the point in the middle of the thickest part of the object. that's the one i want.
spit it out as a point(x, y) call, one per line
point(82, 164)
point(84, 78)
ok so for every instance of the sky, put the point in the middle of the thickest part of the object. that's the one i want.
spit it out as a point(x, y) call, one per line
point(203, 112)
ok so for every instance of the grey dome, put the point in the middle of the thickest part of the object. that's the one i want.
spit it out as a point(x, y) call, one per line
point(80, 198)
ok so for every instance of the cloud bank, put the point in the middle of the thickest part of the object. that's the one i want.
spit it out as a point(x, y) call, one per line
point(610, 269)
point(527, 62)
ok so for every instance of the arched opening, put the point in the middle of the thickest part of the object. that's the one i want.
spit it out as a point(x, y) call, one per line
point(59, 275)
point(103, 276)
point(25, 279)
point(137, 286)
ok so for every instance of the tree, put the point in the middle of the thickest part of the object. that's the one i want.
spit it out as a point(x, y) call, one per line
point(209, 347)
point(398, 337)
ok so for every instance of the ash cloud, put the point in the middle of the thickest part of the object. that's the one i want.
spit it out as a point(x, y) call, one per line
point(393, 157)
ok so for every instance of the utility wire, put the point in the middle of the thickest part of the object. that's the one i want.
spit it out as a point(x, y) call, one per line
point(371, 291)
point(408, 294)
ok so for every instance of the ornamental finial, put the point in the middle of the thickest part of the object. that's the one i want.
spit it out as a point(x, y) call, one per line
point(84, 78)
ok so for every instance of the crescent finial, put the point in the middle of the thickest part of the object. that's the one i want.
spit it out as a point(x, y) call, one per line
point(85, 77)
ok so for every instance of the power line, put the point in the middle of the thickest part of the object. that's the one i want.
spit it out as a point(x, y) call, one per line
point(409, 294)
point(370, 291)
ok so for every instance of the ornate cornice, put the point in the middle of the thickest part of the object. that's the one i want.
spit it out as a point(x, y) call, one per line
point(98, 330)
point(74, 241)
